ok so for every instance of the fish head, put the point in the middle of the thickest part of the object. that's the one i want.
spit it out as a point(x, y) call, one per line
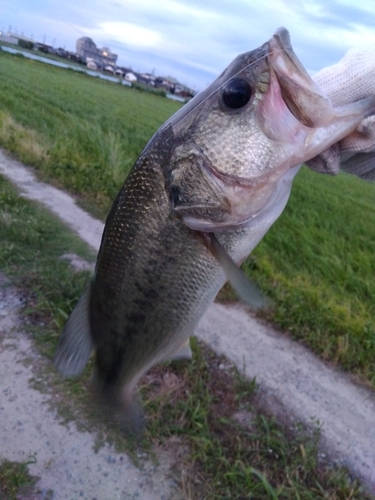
point(235, 140)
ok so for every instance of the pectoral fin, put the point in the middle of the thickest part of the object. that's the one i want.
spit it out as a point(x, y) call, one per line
point(246, 289)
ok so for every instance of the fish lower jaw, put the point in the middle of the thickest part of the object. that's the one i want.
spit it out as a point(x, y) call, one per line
point(207, 226)
point(244, 210)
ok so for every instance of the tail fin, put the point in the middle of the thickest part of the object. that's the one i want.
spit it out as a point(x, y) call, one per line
point(75, 344)
point(121, 405)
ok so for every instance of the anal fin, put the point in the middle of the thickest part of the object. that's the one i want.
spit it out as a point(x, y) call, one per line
point(75, 344)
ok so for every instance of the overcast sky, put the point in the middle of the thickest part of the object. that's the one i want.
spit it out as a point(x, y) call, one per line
point(194, 40)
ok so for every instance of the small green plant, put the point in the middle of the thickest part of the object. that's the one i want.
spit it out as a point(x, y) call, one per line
point(15, 479)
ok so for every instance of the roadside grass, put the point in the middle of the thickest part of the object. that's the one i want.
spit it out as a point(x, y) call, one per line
point(32, 243)
point(234, 448)
point(225, 445)
point(316, 263)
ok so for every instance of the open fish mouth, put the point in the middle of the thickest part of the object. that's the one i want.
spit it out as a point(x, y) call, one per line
point(275, 119)
point(304, 99)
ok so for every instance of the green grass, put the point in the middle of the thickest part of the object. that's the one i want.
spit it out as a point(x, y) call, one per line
point(317, 264)
point(86, 132)
point(15, 480)
point(32, 242)
point(236, 450)
point(226, 446)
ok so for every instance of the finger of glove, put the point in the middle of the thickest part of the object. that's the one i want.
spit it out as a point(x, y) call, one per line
point(351, 79)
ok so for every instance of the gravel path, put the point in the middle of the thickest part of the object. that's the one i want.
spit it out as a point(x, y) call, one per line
point(291, 379)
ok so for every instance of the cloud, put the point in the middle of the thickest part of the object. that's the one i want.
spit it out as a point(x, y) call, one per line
point(131, 34)
point(194, 40)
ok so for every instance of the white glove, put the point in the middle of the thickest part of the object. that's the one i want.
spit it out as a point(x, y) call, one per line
point(351, 79)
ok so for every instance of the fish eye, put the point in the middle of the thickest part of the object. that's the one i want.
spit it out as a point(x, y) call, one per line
point(237, 93)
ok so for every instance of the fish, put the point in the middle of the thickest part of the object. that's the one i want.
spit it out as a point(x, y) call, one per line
point(204, 191)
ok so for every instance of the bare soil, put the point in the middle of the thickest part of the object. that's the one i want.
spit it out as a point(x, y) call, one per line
point(293, 383)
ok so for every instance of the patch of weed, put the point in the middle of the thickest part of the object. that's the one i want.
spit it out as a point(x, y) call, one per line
point(231, 447)
point(15, 480)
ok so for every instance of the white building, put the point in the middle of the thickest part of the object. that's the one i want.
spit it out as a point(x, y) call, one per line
point(87, 49)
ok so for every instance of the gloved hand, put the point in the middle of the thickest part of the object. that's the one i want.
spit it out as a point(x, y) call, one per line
point(351, 79)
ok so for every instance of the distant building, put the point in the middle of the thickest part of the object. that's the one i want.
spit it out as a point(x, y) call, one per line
point(87, 49)
point(14, 38)
point(42, 47)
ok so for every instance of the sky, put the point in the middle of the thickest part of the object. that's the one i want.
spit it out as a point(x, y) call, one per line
point(194, 40)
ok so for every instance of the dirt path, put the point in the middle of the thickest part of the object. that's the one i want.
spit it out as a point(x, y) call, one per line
point(63, 456)
point(292, 380)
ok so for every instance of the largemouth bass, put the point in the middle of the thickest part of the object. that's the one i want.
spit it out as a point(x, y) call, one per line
point(202, 194)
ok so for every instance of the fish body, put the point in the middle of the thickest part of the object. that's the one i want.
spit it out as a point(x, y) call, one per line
point(202, 194)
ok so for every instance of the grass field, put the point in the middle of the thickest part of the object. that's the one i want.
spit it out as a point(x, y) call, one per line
point(81, 131)
point(316, 263)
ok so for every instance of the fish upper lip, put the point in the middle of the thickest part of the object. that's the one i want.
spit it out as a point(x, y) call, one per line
point(303, 97)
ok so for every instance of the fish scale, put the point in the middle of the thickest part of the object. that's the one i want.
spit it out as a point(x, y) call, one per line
point(145, 286)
